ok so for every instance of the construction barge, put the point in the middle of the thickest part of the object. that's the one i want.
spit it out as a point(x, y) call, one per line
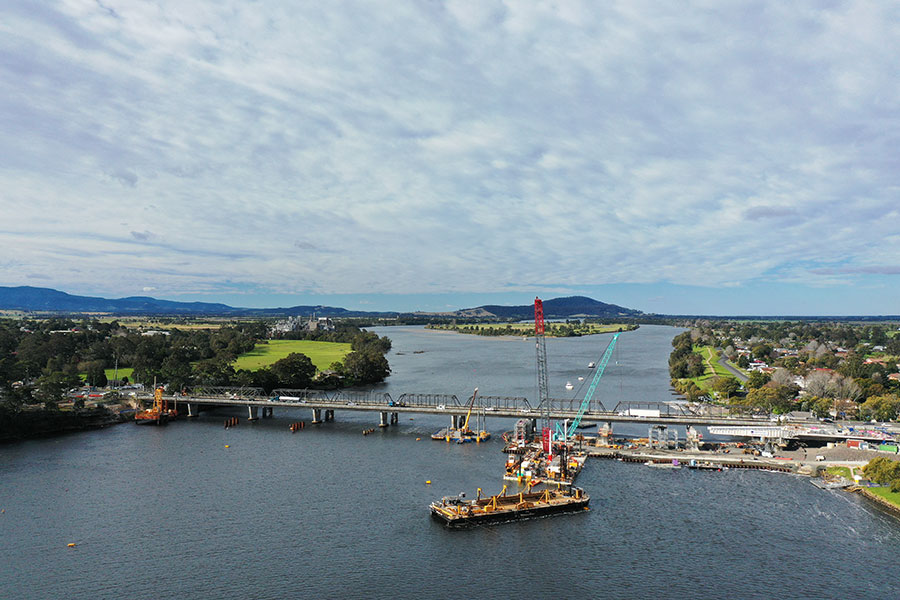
point(455, 511)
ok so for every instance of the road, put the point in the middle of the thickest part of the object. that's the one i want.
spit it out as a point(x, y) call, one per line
point(723, 360)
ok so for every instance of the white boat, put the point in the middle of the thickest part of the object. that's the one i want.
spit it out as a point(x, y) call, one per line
point(591, 365)
point(663, 465)
point(569, 385)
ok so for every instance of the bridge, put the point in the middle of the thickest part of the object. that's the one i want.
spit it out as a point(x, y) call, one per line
point(323, 404)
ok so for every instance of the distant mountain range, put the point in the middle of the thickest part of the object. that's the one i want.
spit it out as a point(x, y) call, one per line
point(34, 299)
point(557, 308)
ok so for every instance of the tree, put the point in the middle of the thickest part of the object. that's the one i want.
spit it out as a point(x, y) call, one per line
point(782, 377)
point(213, 371)
point(821, 407)
point(727, 386)
point(882, 470)
point(52, 388)
point(757, 379)
point(368, 366)
point(761, 351)
point(294, 371)
point(882, 408)
point(96, 374)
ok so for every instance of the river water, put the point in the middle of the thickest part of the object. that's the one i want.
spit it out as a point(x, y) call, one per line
point(171, 512)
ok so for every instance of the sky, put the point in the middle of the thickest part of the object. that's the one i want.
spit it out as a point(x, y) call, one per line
point(683, 158)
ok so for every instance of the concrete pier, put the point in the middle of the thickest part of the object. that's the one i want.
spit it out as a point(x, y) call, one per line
point(316, 416)
point(192, 410)
point(384, 420)
point(254, 413)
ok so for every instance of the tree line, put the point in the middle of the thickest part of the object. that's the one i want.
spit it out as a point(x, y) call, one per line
point(41, 360)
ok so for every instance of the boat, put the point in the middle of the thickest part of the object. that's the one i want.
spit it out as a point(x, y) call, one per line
point(455, 511)
point(159, 413)
point(464, 435)
point(569, 385)
point(663, 465)
point(591, 365)
point(441, 435)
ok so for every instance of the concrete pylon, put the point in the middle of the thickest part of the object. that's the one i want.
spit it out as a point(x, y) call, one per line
point(384, 420)
point(254, 413)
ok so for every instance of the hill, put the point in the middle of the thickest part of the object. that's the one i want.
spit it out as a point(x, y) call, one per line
point(561, 308)
point(35, 299)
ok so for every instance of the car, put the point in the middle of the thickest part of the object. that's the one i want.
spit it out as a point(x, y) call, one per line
point(441, 407)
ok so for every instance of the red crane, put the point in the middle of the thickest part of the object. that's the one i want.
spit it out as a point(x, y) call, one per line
point(541, 347)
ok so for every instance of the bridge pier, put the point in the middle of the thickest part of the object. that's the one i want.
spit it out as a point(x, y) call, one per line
point(317, 416)
point(384, 418)
point(395, 418)
point(192, 410)
point(267, 412)
point(329, 415)
point(455, 421)
point(254, 413)
point(605, 433)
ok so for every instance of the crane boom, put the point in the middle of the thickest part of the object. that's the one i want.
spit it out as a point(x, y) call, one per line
point(590, 393)
point(465, 426)
point(541, 348)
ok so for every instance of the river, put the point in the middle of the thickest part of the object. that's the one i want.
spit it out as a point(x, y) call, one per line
point(171, 512)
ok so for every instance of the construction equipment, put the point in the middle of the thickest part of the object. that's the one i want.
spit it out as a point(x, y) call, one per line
point(463, 434)
point(563, 433)
point(158, 413)
point(541, 348)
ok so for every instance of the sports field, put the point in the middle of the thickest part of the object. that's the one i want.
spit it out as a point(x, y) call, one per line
point(322, 354)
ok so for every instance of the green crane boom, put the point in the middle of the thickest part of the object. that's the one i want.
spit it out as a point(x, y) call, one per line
point(590, 393)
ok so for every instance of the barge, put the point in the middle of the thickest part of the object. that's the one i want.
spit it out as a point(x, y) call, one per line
point(455, 511)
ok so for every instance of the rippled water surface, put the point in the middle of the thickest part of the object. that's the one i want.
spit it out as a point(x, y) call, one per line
point(327, 512)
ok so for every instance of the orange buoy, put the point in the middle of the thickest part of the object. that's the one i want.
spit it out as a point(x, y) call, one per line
point(71, 544)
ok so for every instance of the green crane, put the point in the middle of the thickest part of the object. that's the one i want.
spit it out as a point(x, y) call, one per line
point(590, 393)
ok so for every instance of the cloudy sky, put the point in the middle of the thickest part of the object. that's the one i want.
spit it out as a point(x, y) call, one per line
point(716, 157)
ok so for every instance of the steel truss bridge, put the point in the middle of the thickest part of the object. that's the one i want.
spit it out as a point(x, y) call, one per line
point(516, 407)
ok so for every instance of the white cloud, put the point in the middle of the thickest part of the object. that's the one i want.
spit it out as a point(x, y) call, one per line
point(466, 147)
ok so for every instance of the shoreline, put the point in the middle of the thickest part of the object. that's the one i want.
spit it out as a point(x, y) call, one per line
point(36, 424)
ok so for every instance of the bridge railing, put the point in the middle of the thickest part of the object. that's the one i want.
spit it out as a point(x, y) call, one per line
point(502, 403)
point(363, 398)
point(226, 391)
point(428, 400)
point(305, 395)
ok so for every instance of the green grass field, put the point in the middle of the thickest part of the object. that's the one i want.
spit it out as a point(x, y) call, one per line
point(840, 471)
point(887, 494)
point(322, 354)
point(123, 372)
point(713, 368)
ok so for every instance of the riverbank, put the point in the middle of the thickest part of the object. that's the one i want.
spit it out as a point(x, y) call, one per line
point(553, 329)
point(37, 423)
point(880, 496)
